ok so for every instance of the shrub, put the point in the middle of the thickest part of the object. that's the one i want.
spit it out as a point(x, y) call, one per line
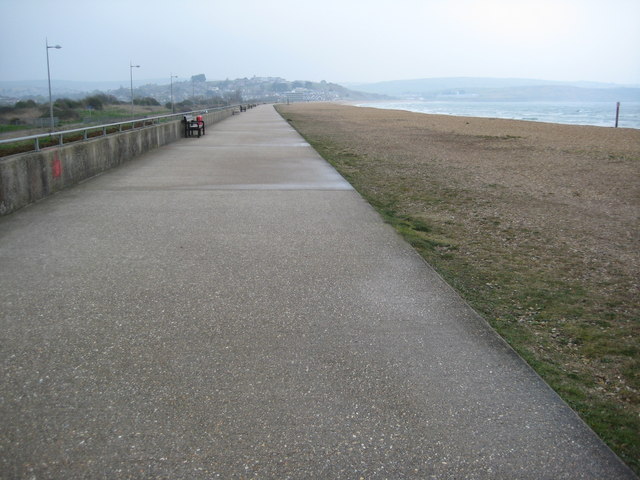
point(184, 106)
point(149, 101)
point(106, 99)
point(26, 104)
point(66, 103)
point(63, 108)
point(94, 102)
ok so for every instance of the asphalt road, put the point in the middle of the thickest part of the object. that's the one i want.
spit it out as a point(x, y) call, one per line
point(227, 306)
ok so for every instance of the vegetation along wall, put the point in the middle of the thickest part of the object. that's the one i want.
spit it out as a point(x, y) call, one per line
point(29, 177)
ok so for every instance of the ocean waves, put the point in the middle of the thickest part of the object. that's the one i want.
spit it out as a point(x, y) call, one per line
point(601, 114)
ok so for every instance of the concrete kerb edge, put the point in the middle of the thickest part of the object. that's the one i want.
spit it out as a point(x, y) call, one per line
point(484, 323)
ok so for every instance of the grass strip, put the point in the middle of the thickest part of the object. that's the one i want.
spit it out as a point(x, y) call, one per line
point(537, 288)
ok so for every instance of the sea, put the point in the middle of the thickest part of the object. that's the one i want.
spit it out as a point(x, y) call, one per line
point(600, 114)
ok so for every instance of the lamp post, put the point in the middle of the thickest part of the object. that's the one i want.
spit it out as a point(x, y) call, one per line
point(131, 67)
point(46, 41)
point(172, 77)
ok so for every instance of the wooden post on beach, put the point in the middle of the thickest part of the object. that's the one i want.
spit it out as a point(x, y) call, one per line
point(617, 113)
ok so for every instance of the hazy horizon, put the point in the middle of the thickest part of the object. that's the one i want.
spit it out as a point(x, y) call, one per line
point(464, 81)
point(346, 42)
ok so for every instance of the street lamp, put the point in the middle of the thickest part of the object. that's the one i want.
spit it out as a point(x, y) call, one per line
point(131, 67)
point(46, 41)
point(172, 77)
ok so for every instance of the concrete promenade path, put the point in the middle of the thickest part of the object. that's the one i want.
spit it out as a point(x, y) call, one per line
point(229, 307)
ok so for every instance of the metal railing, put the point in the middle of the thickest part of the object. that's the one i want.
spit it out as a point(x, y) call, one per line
point(102, 130)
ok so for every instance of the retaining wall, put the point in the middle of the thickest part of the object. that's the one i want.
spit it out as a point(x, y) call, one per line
point(29, 177)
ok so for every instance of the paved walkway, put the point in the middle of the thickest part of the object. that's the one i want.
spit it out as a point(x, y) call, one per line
point(228, 306)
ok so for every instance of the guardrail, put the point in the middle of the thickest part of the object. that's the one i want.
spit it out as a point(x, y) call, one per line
point(29, 176)
point(102, 130)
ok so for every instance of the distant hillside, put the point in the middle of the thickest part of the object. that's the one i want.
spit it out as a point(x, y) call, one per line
point(267, 89)
point(502, 89)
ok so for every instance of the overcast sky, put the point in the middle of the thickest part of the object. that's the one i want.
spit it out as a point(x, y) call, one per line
point(334, 40)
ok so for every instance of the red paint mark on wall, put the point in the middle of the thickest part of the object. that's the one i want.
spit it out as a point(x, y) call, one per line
point(56, 166)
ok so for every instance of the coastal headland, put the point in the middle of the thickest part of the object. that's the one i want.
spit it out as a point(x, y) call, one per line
point(535, 224)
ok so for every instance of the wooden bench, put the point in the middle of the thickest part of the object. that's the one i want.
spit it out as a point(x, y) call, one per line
point(192, 125)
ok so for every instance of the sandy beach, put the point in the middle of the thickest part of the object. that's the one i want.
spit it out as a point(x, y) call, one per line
point(536, 224)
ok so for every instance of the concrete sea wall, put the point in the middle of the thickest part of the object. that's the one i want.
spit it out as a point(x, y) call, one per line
point(29, 177)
